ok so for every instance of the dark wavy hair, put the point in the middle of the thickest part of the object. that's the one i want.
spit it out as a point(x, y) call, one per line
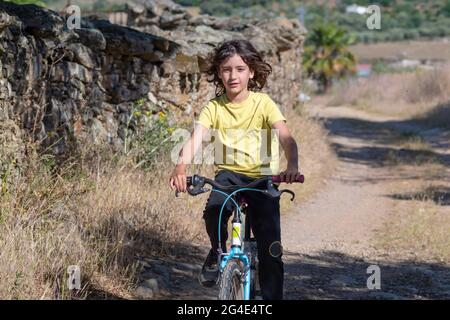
point(248, 53)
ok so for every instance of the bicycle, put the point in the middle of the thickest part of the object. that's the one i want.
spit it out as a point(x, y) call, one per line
point(238, 269)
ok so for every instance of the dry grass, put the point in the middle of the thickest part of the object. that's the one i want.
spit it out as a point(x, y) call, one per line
point(419, 228)
point(436, 117)
point(97, 212)
point(100, 218)
point(403, 94)
point(413, 141)
point(39, 237)
point(419, 225)
point(437, 49)
point(410, 148)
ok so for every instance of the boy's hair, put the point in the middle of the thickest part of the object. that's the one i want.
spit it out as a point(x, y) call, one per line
point(248, 53)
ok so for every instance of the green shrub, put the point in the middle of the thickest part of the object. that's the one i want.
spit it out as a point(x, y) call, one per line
point(412, 34)
point(148, 134)
point(445, 10)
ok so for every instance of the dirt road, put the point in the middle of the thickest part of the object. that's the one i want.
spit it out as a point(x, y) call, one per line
point(329, 240)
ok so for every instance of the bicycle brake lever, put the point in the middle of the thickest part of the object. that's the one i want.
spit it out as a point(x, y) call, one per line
point(271, 191)
point(197, 190)
point(290, 192)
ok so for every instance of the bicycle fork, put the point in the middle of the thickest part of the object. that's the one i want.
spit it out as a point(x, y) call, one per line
point(237, 253)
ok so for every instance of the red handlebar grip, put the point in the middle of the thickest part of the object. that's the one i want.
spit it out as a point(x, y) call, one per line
point(277, 179)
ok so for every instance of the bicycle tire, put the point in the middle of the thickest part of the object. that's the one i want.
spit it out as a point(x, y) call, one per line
point(230, 284)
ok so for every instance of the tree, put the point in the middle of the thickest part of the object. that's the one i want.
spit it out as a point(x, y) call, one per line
point(446, 9)
point(327, 55)
point(36, 2)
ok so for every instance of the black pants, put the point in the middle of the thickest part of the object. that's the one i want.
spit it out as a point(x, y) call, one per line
point(264, 217)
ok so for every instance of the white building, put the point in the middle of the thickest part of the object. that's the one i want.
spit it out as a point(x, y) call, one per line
point(354, 8)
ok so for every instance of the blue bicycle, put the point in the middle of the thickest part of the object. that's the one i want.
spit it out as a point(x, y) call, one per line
point(238, 279)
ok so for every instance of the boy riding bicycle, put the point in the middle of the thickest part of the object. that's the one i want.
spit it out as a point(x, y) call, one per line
point(241, 116)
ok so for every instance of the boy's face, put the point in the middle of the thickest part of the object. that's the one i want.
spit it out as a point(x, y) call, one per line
point(235, 74)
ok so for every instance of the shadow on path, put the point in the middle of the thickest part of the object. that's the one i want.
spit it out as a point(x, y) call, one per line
point(334, 275)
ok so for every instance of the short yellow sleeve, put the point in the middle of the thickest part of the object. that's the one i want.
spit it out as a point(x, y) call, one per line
point(206, 116)
point(273, 113)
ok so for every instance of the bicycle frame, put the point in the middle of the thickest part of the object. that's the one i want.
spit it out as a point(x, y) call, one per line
point(240, 235)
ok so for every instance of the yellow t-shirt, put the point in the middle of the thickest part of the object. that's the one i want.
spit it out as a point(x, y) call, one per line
point(242, 138)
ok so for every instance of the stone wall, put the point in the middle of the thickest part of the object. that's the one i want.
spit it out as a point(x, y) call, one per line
point(63, 87)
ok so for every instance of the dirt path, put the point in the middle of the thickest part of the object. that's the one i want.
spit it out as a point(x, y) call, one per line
point(328, 240)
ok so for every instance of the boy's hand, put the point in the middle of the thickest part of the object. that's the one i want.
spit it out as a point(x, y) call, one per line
point(290, 174)
point(178, 179)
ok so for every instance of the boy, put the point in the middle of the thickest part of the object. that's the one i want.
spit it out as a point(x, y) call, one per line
point(238, 72)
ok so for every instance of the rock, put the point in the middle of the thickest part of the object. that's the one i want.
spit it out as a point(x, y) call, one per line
point(185, 273)
point(122, 108)
point(65, 71)
point(82, 55)
point(111, 126)
point(158, 7)
point(129, 42)
point(92, 38)
point(190, 267)
point(108, 107)
point(137, 65)
point(99, 133)
point(13, 151)
point(168, 67)
point(5, 89)
point(152, 284)
point(171, 21)
point(6, 21)
point(74, 92)
point(37, 21)
point(135, 7)
point(145, 292)
point(110, 81)
point(154, 75)
point(152, 98)
point(122, 94)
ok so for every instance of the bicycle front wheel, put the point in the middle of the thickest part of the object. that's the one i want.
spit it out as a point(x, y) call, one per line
point(231, 286)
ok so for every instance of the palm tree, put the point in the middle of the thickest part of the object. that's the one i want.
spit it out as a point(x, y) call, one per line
point(327, 56)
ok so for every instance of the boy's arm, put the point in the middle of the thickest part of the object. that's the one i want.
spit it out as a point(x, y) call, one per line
point(291, 151)
point(185, 157)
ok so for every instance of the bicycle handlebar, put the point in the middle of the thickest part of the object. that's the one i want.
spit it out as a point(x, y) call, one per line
point(198, 182)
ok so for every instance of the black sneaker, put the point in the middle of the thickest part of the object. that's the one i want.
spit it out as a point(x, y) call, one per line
point(210, 270)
